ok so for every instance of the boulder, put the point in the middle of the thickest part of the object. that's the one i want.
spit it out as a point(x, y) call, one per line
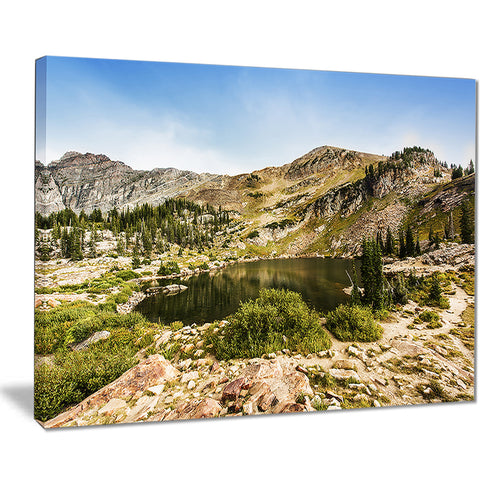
point(232, 390)
point(341, 374)
point(408, 348)
point(205, 408)
point(163, 339)
point(96, 337)
point(148, 373)
point(51, 302)
point(345, 364)
point(173, 289)
point(336, 396)
point(143, 406)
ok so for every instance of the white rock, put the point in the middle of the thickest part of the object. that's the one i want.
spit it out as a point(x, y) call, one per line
point(157, 389)
point(461, 383)
point(112, 405)
point(186, 377)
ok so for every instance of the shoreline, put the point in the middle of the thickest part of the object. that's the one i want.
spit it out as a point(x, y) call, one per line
point(393, 265)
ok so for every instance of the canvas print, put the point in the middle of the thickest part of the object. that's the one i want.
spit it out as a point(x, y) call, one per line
point(216, 241)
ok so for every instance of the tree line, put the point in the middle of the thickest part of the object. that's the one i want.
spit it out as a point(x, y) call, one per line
point(140, 230)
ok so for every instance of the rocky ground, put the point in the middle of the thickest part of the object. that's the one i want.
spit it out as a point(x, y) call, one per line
point(412, 364)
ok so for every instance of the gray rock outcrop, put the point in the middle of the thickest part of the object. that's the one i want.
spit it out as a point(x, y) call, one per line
point(88, 181)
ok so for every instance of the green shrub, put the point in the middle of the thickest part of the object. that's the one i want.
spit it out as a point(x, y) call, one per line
point(168, 268)
point(50, 337)
point(77, 375)
point(204, 266)
point(432, 318)
point(127, 275)
point(126, 290)
point(176, 325)
point(275, 320)
point(351, 323)
point(82, 329)
point(253, 234)
point(120, 298)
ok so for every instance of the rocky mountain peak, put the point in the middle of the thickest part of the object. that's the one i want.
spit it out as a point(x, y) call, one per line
point(323, 159)
point(70, 154)
point(76, 159)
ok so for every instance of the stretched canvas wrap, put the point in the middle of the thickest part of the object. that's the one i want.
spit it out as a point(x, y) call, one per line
point(217, 241)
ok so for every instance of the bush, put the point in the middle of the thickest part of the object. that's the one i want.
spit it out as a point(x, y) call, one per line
point(351, 323)
point(76, 376)
point(74, 323)
point(253, 234)
point(432, 318)
point(51, 337)
point(168, 268)
point(176, 325)
point(120, 298)
point(127, 275)
point(82, 329)
point(275, 320)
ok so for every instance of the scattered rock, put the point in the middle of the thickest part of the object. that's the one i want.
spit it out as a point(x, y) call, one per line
point(345, 364)
point(188, 376)
point(301, 369)
point(336, 396)
point(341, 374)
point(233, 389)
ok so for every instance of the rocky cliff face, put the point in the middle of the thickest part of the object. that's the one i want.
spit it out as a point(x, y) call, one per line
point(410, 181)
point(47, 194)
point(88, 181)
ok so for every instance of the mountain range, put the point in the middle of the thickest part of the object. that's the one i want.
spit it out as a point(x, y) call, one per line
point(325, 200)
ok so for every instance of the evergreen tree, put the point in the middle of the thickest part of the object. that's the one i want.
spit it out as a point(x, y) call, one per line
point(135, 258)
point(418, 250)
point(409, 243)
point(92, 246)
point(451, 227)
point(76, 245)
point(64, 243)
point(120, 246)
point(457, 172)
point(372, 275)
point(470, 169)
point(400, 292)
point(466, 223)
point(389, 243)
point(147, 242)
point(401, 245)
point(435, 292)
point(380, 241)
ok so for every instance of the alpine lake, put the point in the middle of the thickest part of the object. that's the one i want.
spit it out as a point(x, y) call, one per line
point(216, 294)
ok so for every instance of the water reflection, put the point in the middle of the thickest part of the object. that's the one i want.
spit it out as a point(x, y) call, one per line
point(214, 295)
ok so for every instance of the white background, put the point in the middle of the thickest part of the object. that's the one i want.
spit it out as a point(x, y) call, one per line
point(424, 38)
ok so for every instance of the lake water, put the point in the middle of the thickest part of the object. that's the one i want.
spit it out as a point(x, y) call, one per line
point(214, 295)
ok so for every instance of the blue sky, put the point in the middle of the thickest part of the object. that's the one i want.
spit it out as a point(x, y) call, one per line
point(224, 119)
